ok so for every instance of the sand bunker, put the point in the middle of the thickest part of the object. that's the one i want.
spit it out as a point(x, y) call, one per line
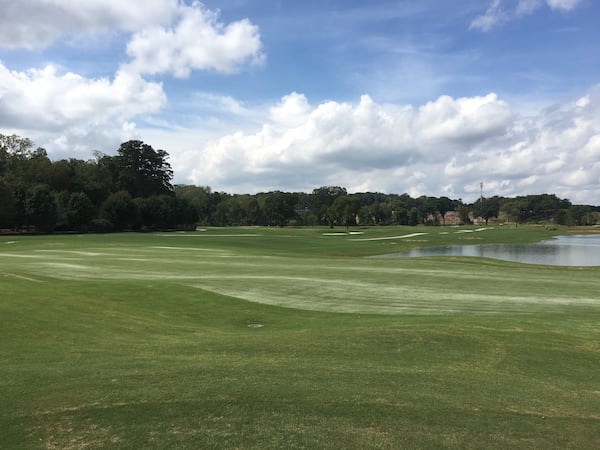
point(390, 237)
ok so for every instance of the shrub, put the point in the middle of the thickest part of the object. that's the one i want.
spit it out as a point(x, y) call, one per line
point(101, 226)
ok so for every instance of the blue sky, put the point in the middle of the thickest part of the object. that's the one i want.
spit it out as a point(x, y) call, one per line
point(425, 97)
point(417, 50)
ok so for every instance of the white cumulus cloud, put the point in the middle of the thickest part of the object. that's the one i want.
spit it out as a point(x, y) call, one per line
point(72, 108)
point(45, 98)
point(38, 23)
point(168, 35)
point(448, 119)
point(302, 145)
point(293, 110)
point(65, 109)
point(446, 145)
point(198, 41)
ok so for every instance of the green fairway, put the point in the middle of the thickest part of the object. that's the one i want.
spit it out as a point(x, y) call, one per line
point(291, 338)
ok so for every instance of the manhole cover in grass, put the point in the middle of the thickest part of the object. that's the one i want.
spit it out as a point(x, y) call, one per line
point(255, 325)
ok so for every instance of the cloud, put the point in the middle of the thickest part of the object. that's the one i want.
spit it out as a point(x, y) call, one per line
point(301, 142)
point(293, 110)
point(525, 7)
point(62, 108)
point(218, 104)
point(39, 23)
point(493, 17)
point(168, 36)
point(47, 99)
point(556, 151)
point(45, 102)
point(445, 146)
point(198, 41)
point(565, 5)
point(459, 120)
point(496, 15)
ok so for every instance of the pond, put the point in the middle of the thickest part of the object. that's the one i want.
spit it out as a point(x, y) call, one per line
point(580, 250)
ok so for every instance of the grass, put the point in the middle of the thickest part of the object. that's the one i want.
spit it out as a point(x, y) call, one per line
point(142, 341)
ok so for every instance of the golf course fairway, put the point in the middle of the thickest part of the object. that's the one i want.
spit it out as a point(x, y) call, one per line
point(293, 338)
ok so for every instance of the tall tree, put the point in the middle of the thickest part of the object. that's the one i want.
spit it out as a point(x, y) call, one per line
point(94, 178)
point(251, 210)
point(40, 208)
point(428, 208)
point(119, 209)
point(413, 216)
point(280, 207)
point(344, 209)
point(199, 197)
point(143, 171)
point(463, 214)
point(13, 147)
point(8, 206)
point(80, 210)
point(444, 204)
point(322, 198)
point(487, 208)
point(184, 215)
point(580, 215)
point(154, 212)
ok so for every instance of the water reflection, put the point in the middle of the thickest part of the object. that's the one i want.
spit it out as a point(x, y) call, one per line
point(581, 250)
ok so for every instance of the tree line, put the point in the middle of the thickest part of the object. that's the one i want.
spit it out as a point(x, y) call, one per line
point(133, 190)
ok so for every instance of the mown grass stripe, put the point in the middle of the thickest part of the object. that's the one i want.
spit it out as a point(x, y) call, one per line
point(427, 353)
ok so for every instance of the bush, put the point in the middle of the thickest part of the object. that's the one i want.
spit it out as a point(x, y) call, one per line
point(101, 226)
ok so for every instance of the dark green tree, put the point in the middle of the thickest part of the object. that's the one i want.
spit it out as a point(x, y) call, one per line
point(79, 210)
point(321, 199)
point(93, 177)
point(12, 149)
point(221, 214)
point(400, 215)
point(155, 212)
point(40, 208)
point(60, 176)
point(250, 208)
point(344, 210)
point(141, 170)
point(463, 214)
point(580, 215)
point(444, 205)
point(487, 208)
point(516, 209)
point(8, 206)
point(184, 215)
point(428, 209)
point(280, 207)
point(413, 216)
point(37, 167)
point(119, 209)
point(200, 199)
